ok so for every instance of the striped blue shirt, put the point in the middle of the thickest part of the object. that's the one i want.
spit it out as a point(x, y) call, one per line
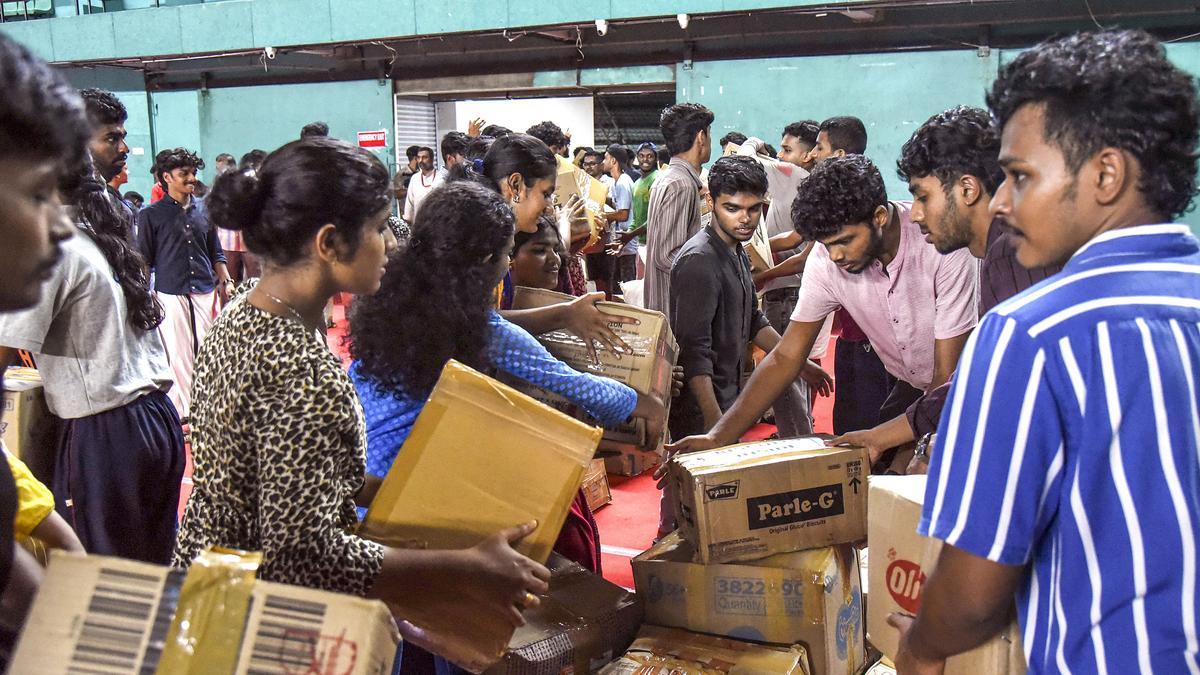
point(1070, 446)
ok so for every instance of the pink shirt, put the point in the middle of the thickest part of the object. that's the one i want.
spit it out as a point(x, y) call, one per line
point(920, 297)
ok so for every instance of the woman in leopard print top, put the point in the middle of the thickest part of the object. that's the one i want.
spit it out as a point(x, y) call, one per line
point(278, 434)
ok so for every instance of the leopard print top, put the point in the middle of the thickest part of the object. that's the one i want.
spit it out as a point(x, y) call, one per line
point(278, 442)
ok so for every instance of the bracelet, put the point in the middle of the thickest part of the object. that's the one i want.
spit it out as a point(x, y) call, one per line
point(923, 446)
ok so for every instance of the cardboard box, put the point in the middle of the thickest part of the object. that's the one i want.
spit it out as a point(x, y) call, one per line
point(752, 500)
point(583, 623)
point(571, 181)
point(450, 489)
point(758, 249)
point(811, 597)
point(595, 486)
point(900, 561)
point(648, 370)
point(481, 457)
point(629, 461)
point(287, 628)
point(670, 651)
point(26, 425)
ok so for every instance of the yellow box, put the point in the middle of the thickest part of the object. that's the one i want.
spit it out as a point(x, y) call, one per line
point(481, 457)
point(670, 651)
point(752, 500)
point(899, 561)
point(812, 597)
point(648, 370)
point(573, 181)
point(287, 628)
point(758, 249)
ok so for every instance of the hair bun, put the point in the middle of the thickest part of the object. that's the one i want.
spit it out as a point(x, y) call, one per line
point(236, 200)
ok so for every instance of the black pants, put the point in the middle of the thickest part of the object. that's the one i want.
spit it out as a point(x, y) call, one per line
point(117, 479)
point(863, 385)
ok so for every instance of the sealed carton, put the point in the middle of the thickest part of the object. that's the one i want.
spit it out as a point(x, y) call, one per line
point(758, 249)
point(481, 458)
point(670, 651)
point(571, 181)
point(595, 486)
point(752, 500)
point(100, 614)
point(810, 597)
point(583, 623)
point(26, 425)
point(900, 562)
point(648, 370)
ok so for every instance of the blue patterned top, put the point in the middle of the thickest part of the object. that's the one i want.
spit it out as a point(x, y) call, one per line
point(510, 349)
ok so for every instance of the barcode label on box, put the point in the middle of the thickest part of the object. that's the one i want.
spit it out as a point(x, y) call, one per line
point(288, 636)
point(120, 616)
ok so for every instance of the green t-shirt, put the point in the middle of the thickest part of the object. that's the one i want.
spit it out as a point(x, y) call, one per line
point(641, 201)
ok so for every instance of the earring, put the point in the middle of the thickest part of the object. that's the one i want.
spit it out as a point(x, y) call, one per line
point(516, 199)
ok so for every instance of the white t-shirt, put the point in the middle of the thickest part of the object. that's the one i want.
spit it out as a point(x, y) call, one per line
point(419, 187)
point(91, 358)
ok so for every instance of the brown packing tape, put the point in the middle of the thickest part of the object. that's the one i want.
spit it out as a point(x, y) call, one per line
point(206, 633)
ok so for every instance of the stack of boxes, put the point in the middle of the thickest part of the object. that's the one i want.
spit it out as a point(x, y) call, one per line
point(763, 552)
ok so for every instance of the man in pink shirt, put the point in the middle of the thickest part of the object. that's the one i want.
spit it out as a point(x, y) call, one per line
point(915, 305)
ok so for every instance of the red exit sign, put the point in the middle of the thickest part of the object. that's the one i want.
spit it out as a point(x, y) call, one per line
point(372, 139)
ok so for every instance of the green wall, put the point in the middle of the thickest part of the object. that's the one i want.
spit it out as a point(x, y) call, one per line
point(185, 26)
point(239, 119)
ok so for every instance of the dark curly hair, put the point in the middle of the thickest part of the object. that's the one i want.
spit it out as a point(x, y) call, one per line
point(845, 133)
point(805, 130)
point(168, 160)
point(301, 187)
point(735, 137)
point(840, 191)
point(109, 229)
point(436, 295)
point(1111, 89)
point(252, 159)
point(495, 131)
point(733, 174)
point(681, 122)
point(961, 141)
point(454, 143)
point(514, 153)
point(549, 133)
point(103, 107)
point(41, 115)
point(314, 129)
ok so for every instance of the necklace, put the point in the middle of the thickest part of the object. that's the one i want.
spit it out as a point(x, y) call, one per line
point(284, 305)
point(430, 183)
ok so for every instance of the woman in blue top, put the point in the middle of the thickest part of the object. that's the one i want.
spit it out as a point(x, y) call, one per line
point(436, 303)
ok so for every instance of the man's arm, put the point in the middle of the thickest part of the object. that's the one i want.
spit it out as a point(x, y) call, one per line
point(781, 367)
point(786, 241)
point(945, 358)
point(766, 338)
point(965, 602)
point(786, 267)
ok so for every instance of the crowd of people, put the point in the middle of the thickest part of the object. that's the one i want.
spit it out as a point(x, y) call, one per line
point(1025, 329)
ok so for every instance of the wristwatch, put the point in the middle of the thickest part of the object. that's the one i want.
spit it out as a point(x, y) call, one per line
point(922, 450)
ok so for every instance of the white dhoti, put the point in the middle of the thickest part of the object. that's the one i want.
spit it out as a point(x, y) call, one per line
point(187, 320)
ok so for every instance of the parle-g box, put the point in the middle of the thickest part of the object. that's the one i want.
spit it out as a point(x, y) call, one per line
point(752, 500)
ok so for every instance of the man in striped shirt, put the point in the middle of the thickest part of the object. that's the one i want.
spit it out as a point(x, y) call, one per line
point(674, 212)
point(1068, 474)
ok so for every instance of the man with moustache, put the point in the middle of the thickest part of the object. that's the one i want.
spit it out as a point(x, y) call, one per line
point(191, 278)
point(107, 145)
point(952, 169)
point(916, 306)
point(1066, 475)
